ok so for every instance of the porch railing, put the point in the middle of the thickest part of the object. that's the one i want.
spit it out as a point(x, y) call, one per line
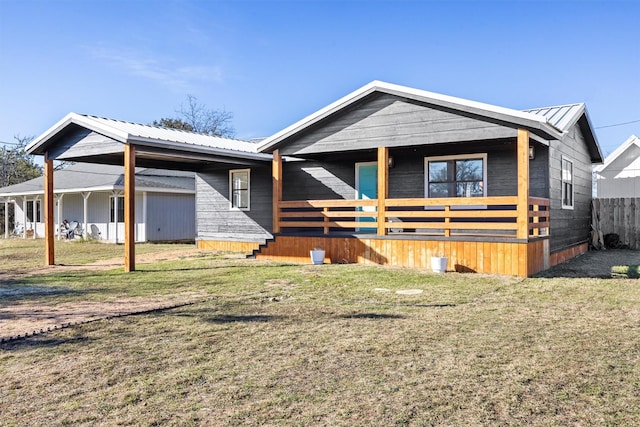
point(479, 216)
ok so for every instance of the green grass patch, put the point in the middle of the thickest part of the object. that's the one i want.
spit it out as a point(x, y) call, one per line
point(626, 271)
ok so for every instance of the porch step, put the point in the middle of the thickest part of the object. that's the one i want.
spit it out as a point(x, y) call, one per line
point(260, 248)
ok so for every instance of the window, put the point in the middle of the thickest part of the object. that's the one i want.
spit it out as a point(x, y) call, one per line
point(567, 184)
point(32, 206)
point(120, 209)
point(239, 189)
point(456, 176)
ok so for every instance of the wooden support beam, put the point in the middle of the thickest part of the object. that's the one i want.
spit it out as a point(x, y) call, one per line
point(383, 187)
point(276, 178)
point(49, 251)
point(523, 183)
point(129, 207)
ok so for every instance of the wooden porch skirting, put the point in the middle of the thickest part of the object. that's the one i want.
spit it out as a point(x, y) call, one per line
point(566, 254)
point(224, 245)
point(493, 257)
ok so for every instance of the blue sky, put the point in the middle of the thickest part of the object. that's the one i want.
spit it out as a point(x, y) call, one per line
point(271, 63)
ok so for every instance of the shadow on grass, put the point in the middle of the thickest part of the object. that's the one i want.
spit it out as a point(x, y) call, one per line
point(375, 316)
point(42, 341)
point(242, 318)
point(21, 290)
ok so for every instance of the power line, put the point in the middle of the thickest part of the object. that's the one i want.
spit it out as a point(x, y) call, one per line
point(618, 124)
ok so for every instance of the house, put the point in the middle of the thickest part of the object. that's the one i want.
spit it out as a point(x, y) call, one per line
point(387, 174)
point(619, 176)
point(91, 195)
point(394, 175)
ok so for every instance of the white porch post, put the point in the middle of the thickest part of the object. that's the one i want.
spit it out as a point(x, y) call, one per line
point(6, 218)
point(85, 210)
point(115, 214)
point(144, 217)
point(24, 217)
point(59, 213)
point(35, 213)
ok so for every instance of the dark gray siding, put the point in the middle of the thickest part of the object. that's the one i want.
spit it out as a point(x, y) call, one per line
point(336, 179)
point(170, 217)
point(81, 142)
point(387, 120)
point(214, 218)
point(570, 226)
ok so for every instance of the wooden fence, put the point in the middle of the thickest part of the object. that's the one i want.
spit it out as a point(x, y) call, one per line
point(622, 217)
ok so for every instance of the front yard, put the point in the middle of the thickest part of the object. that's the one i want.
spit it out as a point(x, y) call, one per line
point(268, 343)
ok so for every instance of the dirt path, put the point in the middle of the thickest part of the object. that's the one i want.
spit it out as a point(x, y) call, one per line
point(18, 319)
point(594, 264)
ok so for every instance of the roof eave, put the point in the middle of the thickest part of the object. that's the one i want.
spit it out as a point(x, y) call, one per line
point(38, 145)
point(181, 146)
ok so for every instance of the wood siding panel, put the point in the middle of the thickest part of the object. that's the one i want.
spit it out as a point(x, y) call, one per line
point(387, 120)
point(215, 220)
point(464, 256)
point(227, 246)
point(81, 142)
point(570, 227)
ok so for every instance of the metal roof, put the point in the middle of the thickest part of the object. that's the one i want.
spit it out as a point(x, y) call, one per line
point(150, 136)
point(95, 177)
point(140, 131)
point(562, 117)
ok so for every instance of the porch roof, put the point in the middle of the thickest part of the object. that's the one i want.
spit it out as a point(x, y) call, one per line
point(537, 124)
point(83, 177)
point(155, 146)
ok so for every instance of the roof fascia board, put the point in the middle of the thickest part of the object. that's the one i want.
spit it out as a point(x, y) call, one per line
point(202, 149)
point(585, 114)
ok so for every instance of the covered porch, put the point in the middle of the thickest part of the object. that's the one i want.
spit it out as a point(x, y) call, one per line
point(489, 234)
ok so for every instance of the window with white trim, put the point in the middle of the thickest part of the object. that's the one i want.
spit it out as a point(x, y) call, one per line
point(239, 189)
point(456, 176)
point(120, 211)
point(567, 183)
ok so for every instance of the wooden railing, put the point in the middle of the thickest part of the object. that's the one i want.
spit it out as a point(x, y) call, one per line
point(493, 216)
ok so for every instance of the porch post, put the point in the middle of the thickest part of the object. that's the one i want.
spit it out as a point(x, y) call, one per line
point(34, 218)
point(85, 211)
point(276, 178)
point(24, 217)
point(48, 211)
point(383, 187)
point(6, 218)
point(116, 194)
point(129, 207)
point(523, 184)
point(59, 209)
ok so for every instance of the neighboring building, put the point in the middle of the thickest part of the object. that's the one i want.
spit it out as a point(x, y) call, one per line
point(619, 176)
point(166, 201)
point(388, 174)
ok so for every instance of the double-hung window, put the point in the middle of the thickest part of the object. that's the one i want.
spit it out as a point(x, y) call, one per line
point(567, 183)
point(239, 189)
point(456, 176)
point(116, 215)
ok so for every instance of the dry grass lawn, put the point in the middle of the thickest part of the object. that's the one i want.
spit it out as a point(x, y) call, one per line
point(274, 344)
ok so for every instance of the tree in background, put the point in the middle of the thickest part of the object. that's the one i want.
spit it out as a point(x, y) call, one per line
point(16, 166)
point(195, 117)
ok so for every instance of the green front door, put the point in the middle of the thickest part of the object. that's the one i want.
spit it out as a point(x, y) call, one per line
point(367, 188)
